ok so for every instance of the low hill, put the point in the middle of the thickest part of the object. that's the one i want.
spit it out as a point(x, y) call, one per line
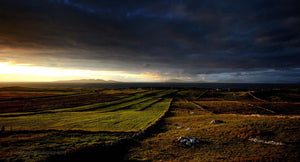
point(88, 81)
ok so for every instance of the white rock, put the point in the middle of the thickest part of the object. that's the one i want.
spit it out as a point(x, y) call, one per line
point(193, 140)
point(188, 141)
point(216, 121)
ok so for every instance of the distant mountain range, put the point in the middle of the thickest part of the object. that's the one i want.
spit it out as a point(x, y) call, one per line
point(87, 81)
point(113, 81)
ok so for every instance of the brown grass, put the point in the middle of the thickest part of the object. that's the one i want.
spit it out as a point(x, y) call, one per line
point(55, 102)
point(227, 141)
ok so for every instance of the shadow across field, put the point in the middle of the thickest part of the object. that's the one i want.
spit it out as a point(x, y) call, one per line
point(99, 152)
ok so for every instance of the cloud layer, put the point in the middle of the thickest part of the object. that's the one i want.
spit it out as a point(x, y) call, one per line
point(225, 41)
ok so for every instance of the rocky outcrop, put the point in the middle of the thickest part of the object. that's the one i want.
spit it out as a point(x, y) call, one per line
point(187, 141)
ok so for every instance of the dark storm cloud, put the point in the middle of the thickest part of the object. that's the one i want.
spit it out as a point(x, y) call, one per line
point(170, 36)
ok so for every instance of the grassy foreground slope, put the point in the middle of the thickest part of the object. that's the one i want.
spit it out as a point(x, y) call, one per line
point(228, 141)
point(36, 146)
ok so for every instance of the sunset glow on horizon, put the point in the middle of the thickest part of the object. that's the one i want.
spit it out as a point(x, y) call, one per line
point(10, 72)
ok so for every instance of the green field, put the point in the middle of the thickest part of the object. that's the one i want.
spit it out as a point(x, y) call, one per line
point(120, 115)
point(35, 146)
point(99, 121)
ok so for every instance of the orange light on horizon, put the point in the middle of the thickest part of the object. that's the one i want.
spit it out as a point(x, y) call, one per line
point(10, 72)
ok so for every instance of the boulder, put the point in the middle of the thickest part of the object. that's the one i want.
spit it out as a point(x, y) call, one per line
point(187, 141)
point(188, 128)
point(216, 121)
point(179, 127)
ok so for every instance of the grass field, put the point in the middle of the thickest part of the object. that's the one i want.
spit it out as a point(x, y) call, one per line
point(229, 107)
point(121, 115)
point(38, 100)
point(61, 120)
point(125, 112)
point(227, 141)
point(35, 146)
point(278, 95)
point(226, 96)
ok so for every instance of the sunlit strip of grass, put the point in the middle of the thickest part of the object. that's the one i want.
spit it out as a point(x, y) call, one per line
point(122, 120)
point(123, 105)
point(105, 104)
point(133, 102)
point(80, 108)
point(144, 105)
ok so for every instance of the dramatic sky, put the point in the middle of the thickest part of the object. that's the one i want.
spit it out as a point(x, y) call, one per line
point(151, 40)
